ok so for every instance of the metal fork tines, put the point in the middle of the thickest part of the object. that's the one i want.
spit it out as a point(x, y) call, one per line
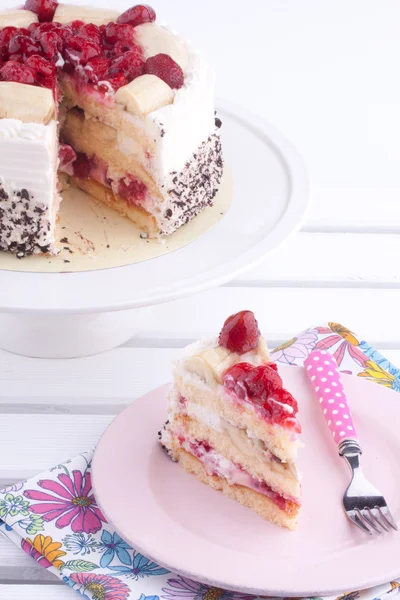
point(363, 503)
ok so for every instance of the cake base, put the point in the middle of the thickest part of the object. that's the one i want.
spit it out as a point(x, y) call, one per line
point(92, 236)
point(259, 503)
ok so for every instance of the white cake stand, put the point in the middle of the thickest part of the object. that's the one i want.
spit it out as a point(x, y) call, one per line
point(62, 315)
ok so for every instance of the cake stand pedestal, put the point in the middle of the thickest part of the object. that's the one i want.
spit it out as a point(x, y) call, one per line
point(70, 336)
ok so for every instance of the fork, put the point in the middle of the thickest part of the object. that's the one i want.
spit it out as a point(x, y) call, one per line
point(364, 504)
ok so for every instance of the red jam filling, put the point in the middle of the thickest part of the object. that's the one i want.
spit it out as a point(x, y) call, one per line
point(216, 465)
point(130, 189)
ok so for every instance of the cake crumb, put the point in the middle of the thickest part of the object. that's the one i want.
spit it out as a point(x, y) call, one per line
point(64, 240)
point(144, 235)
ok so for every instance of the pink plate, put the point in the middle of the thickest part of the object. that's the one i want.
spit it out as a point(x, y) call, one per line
point(191, 529)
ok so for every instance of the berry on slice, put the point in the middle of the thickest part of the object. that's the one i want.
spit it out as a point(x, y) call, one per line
point(240, 332)
point(129, 64)
point(13, 71)
point(136, 15)
point(77, 25)
point(114, 32)
point(44, 9)
point(164, 67)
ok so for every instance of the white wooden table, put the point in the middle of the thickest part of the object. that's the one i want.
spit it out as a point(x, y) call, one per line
point(326, 73)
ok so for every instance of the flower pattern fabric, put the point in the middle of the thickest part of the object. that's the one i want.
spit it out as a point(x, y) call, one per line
point(55, 518)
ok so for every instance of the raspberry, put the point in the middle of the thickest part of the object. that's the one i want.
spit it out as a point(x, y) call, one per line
point(129, 64)
point(96, 68)
point(141, 13)
point(114, 32)
point(164, 67)
point(92, 32)
point(5, 36)
point(132, 190)
point(40, 67)
point(240, 332)
point(65, 33)
point(41, 28)
point(52, 45)
point(13, 71)
point(82, 48)
point(22, 44)
point(82, 166)
point(125, 46)
point(44, 9)
point(66, 156)
point(115, 82)
point(77, 25)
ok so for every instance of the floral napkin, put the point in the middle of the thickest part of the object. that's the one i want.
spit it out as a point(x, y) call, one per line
point(54, 517)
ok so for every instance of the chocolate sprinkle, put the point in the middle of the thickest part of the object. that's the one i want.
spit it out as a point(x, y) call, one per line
point(195, 186)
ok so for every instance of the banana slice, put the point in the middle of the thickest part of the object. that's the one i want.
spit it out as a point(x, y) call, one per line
point(17, 18)
point(211, 364)
point(157, 40)
point(144, 95)
point(27, 103)
point(65, 13)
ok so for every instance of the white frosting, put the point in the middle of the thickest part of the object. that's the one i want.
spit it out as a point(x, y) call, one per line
point(188, 121)
point(29, 161)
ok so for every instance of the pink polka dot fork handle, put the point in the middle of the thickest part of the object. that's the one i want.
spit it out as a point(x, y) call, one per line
point(322, 370)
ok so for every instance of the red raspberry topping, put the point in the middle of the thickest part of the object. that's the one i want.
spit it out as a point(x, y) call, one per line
point(96, 68)
point(262, 387)
point(115, 82)
point(164, 67)
point(22, 44)
point(52, 45)
point(125, 46)
point(240, 332)
point(115, 32)
point(13, 71)
point(5, 36)
point(41, 28)
point(82, 49)
point(77, 25)
point(40, 67)
point(141, 13)
point(92, 32)
point(129, 64)
point(44, 9)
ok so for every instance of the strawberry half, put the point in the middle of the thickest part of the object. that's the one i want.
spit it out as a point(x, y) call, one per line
point(240, 332)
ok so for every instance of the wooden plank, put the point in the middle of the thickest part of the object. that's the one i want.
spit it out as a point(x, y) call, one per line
point(16, 566)
point(112, 378)
point(35, 443)
point(334, 259)
point(37, 592)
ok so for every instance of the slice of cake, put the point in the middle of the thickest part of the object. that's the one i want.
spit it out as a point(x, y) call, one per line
point(135, 110)
point(232, 424)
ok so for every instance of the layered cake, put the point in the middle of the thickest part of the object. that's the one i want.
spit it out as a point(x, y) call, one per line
point(118, 103)
point(232, 424)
